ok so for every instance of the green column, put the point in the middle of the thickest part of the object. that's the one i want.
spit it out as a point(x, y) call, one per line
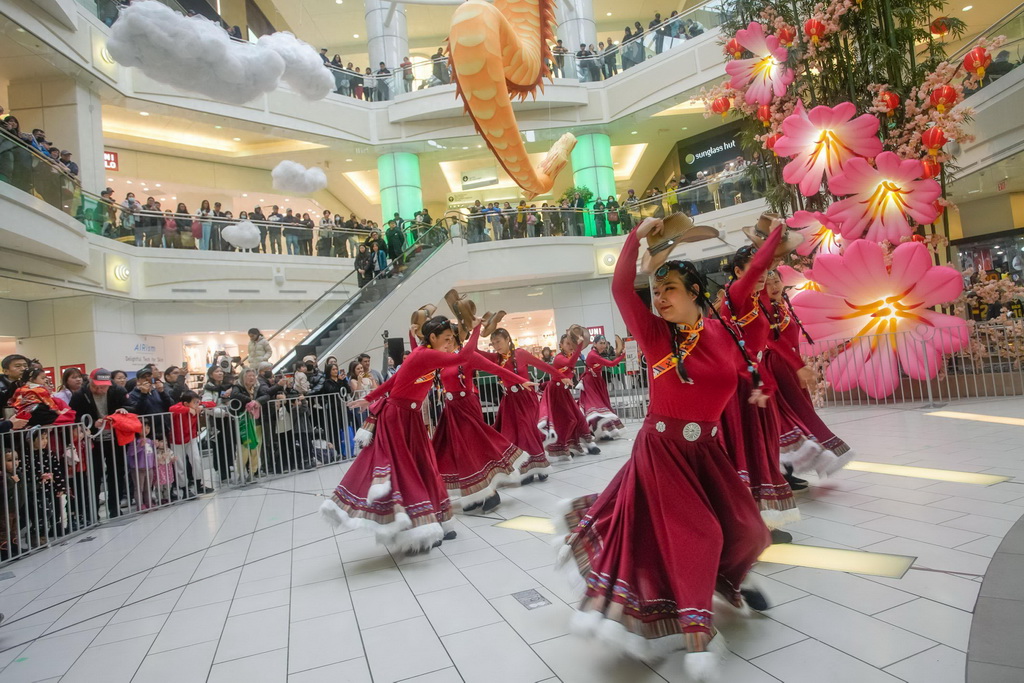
point(400, 190)
point(592, 167)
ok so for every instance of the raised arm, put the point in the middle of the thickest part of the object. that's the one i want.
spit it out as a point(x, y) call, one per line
point(478, 362)
point(594, 357)
point(384, 387)
point(533, 361)
point(640, 321)
point(743, 288)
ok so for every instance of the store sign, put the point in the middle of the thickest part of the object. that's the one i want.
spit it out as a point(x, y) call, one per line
point(481, 177)
point(703, 153)
point(110, 161)
point(632, 352)
point(596, 331)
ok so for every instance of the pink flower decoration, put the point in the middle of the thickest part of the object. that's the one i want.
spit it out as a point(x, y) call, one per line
point(766, 72)
point(880, 316)
point(883, 197)
point(797, 280)
point(822, 141)
point(820, 234)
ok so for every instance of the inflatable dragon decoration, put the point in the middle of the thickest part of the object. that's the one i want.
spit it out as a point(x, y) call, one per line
point(499, 51)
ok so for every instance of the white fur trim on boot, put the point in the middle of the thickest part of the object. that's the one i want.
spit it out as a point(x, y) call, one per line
point(804, 458)
point(705, 666)
point(417, 539)
point(836, 463)
point(378, 491)
point(384, 533)
point(776, 519)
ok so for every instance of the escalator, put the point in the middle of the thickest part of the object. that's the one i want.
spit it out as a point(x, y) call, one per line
point(347, 320)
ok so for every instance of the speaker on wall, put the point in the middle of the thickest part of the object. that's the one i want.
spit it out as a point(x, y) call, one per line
point(396, 349)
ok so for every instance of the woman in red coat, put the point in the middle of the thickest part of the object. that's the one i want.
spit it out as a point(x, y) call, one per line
point(393, 487)
point(519, 409)
point(594, 398)
point(677, 523)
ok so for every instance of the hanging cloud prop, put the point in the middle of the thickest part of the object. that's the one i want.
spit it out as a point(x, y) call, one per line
point(293, 177)
point(244, 235)
point(304, 69)
point(196, 55)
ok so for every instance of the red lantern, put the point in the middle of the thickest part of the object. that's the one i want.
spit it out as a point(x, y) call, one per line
point(721, 105)
point(933, 140)
point(769, 142)
point(734, 48)
point(930, 168)
point(764, 114)
point(977, 60)
point(786, 35)
point(815, 29)
point(943, 96)
point(940, 208)
point(917, 238)
point(891, 101)
point(940, 26)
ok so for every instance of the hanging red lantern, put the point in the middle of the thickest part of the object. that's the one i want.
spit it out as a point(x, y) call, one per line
point(891, 101)
point(734, 48)
point(930, 168)
point(977, 60)
point(764, 114)
point(917, 238)
point(942, 97)
point(786, 35)
point(940, 208)
point(939, 27)
point(933, 139)
point(769, 142)
point(721, 105)
point(815, 29)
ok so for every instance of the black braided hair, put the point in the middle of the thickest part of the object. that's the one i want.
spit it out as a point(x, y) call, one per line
point(740, 259)
point(741, 345)
point(770, 317)
point(436, 325)
point(792, 313)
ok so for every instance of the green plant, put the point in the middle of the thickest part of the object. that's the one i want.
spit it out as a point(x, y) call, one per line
point(584, 191)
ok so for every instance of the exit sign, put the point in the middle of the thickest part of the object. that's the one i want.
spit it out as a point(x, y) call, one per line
point(110, 161)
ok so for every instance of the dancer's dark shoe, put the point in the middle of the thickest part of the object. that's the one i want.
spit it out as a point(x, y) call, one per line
point(780, 536)
point(492, 502)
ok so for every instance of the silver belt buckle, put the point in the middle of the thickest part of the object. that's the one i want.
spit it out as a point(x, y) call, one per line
point(691, 432)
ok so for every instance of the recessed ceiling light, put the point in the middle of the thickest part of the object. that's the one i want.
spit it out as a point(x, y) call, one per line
point(355, 35)
point(110, 180)
point(217, 127)
point(287, 200)
point(261, 200)
point(609, 14)
point(163, 199)
point(968, 8)
point(338, 2)
point(244, 194)
point(348, 160)
point(237, 139)
point(685, 128)
point(143, 113)
point(479, 146)
point(632, 132)
point(157, 185)
point(129, 182)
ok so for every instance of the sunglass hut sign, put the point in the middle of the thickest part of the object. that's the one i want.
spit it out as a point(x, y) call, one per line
point(710, 155)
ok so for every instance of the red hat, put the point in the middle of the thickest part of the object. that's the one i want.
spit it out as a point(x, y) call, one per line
point(100, 377)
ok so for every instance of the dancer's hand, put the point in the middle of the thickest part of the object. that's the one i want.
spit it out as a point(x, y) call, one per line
point(808, 378)
point(758, 399)
point(566, 381)
point(649, 226)
point(532, 386)
point(358, 403)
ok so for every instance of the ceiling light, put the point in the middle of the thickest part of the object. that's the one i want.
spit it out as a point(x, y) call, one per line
point(968, 8)
point(217, 127)
point(348, 160)
point(609, 14)
point(143, 113)
point(632, 132)
point(355, 35)
point(685, 128)
point(244, 194)
point(338, 2)
point(163, 199)
point(129, 182)
point(110, 180)
point(237, 139)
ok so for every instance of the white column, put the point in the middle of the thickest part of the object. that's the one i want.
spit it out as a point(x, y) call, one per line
point(387, 38)
point(576, 23)
point(72, 117)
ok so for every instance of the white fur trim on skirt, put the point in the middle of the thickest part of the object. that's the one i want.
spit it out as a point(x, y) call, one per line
point(363, 438)
point(804, 458)
point(398, 535)
point(776, 519)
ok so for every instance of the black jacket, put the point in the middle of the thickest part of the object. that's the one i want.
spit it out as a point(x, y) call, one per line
point(84, 403)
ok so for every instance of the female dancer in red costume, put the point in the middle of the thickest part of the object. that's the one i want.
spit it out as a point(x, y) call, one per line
point(752, 435)
point(806, 443)
point(472, 457)
point(518, 411)
point(594, 399)
point(677, 523)
point(393, 487)
point(560, 413)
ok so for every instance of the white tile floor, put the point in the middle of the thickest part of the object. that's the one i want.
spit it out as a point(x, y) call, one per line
point(250, 585)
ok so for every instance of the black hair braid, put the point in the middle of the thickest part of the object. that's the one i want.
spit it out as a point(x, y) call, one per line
point(772, 318)
point(793, 315)
point(677, 341)
point(741, 345)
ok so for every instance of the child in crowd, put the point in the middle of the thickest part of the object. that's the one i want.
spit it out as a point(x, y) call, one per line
point(141, 456)
point(185, 443)
point(51, 487)
point(13, 500)
point(165, 460)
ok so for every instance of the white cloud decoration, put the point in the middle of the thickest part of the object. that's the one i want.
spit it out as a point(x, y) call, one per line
point(292, 177)
point(244, 235)
point(194, 54)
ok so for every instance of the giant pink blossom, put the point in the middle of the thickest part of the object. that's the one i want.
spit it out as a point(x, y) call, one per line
point(821, 235)
point(882, 198)
point(765, 75)
point(821, 141)
point(881, 316)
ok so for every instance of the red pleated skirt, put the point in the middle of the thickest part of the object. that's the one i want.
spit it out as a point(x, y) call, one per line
point(798, 448)
point(751, 437)
point(393, 486)
point(796, 403)
point(518, 415)
point(675, 524)
point(566, 420)
point(597, 406)
point(473, 458)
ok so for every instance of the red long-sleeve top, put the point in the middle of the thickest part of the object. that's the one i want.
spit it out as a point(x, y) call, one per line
point(596, 363)
point(456, 378)
point(519, 362)
point(713, 364)
point(787, 346)
point(416, 374)
point(566, 365)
